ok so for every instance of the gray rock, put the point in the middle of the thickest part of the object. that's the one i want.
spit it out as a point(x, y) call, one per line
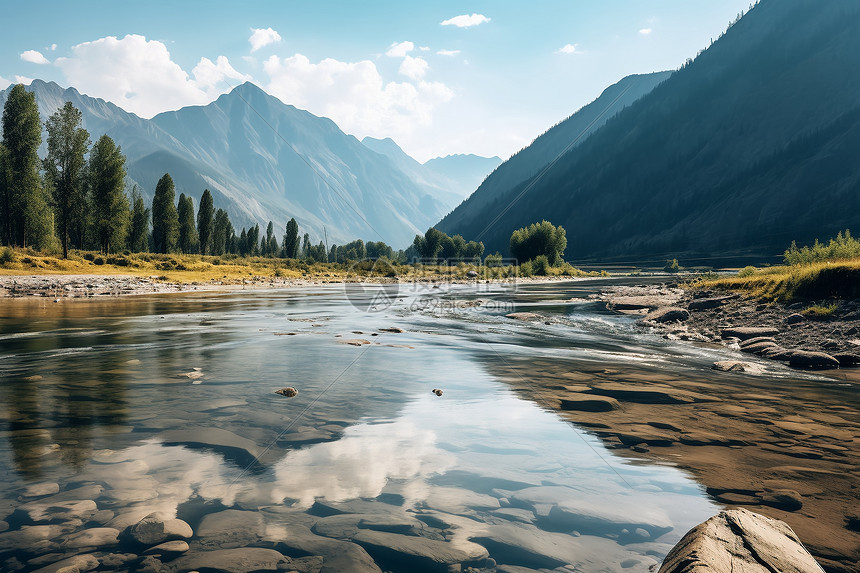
point(758, 348)
point(93, 537)
point(708, 303)
point(740, 540)
point(795, 318)
point(231, 528)
point(756, 340)
point(777, 353)
point(230, 561)
point(667, 314)
point(152, 530)
point(338, 556)
point(808, 359)
point(419, 552)
point(747, 332)
point(78, 563)
point(52, 509)
point(168, 548)
point(735, 366)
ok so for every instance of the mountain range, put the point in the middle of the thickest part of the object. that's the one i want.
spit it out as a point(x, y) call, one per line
point(264, 160)
point(751, 145)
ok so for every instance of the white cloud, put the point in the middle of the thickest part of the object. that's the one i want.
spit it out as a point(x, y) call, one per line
point(399, 49)
point(570, 49)
point(208, 76)
point(53, 47)
point(34, 57)
point(354, 95)
point(645, 31)
point(424, 48)
point(261, 37)
point(448, 52)
point(23, 80)
point(139, 76)
point(415, 68)
point(4, 83)
point(466, 21)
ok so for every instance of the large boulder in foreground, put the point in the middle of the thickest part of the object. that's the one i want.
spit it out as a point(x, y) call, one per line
point(740, 540)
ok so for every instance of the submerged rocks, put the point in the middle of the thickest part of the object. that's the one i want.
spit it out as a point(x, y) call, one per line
point(524, 316)
point(735, 366)
point(231, 528)
point(584, 403)
point(152, 530)
point(231, 561)
point(419, 552)
point(740, 540)
point(289, 392)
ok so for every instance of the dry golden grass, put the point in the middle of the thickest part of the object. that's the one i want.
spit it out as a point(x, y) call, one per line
point(814, 281)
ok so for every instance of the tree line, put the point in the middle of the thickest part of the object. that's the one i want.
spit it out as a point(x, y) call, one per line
point(75, 198)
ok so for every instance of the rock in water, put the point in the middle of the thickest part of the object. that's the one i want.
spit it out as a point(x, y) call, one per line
point(740, 540)
point(289, 392)
point(152, 530)
point(747, 332)
point(437, 391)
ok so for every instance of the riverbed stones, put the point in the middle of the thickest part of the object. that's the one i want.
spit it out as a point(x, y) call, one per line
point(812, 360)
point(75, 564)
point(784, 499)
point(152, 530)
point(231, 528)
point(418, 552)
point(239, 560)
point(168, 548)
point(847, 359)
point(740, 540)
point(242, 450)
point(650, 394)
point(667, 314)
point(758, 348)
point(288, 392)
point(747, 332)
point(338, 556)
point(93, 537)
point(41, 489)
point(795, 318)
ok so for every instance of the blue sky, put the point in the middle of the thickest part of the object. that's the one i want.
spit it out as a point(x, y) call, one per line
point(490, 79)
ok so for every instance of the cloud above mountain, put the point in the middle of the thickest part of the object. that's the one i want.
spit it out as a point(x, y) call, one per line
point(34, 57)
point(139, 75)
point(355, 95)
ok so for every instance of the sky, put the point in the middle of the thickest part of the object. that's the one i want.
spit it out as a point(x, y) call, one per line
point(440, 78)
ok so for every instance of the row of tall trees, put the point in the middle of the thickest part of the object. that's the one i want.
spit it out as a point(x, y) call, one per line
point(438, 246)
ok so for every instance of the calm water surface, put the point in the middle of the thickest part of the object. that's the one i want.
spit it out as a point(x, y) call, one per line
point(166, 404)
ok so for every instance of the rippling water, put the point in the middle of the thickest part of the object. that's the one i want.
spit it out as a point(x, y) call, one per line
point(166, 404)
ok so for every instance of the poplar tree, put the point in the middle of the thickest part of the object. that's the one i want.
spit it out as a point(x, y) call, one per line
point(221, 233)
point(205, 222)
point(165, 219)
point(291, 240)
point(138, 236)
point(24, 216)
point(107, 187)
point(187, 230)
point(65, 165)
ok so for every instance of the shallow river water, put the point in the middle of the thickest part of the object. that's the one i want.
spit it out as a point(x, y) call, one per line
point(115, 409)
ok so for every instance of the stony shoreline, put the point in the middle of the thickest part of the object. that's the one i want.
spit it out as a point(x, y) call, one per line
point(769, 330)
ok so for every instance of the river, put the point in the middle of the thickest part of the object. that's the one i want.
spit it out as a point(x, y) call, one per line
point(166, 404)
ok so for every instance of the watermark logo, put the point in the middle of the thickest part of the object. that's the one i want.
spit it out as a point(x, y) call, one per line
point(374, 285)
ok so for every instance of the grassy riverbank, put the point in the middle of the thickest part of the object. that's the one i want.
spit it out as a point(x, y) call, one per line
point(810, 281)
point(233, 269)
